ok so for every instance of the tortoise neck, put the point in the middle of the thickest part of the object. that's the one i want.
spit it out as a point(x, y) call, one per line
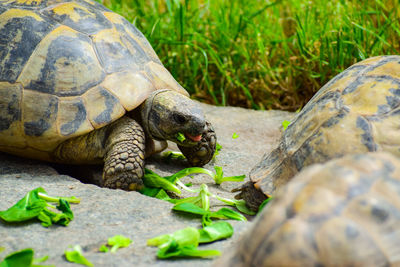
point(145, 112)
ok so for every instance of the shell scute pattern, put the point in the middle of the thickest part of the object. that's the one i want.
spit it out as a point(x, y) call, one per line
point(10, 103)
point(42, 4)
point(61, 63)
point(344, 212)
point(40, 113)
point(72, 118)
point(356, 112)
point(367, 138)
point(132, 35)
point(118, 43)
point(79, 16)
point(106, 106)
point(131, 82)
point(15, 28)
point(31, 4)
point(116, 53)
point(371, 95)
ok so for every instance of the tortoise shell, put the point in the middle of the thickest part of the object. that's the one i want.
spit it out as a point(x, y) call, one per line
point(345, 212)
point(67, 68)
point(357, 111)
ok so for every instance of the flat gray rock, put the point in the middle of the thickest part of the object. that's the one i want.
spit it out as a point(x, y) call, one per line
point(103, 212)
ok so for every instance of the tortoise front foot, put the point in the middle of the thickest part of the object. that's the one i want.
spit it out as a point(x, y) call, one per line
point(201, 153)
point(124, 161)
point(251, 195)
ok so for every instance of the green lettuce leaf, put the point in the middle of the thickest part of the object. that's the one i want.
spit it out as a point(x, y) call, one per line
point(285, 124)
point(182, 243)
point(29, 207)
point(76, 256)
point(219, 176)
point(263, 204)
point(23, 258)
point(223, 213)
point(215, 231)
point(34, 205)
point(118, 241)
point(151, 179)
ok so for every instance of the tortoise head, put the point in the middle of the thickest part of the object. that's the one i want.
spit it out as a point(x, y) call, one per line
point(166, 113)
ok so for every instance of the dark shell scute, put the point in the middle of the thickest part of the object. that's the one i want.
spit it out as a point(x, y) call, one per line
point(354, 85)
point(384, 60)
point(115, 56)
point(2, 9)
point(347, 72)
point(11, 109)
point(25, 4)
point(367, 137)
point(38, 127)
point(80, 117)
point(81, 17)
point(335, 119)
point(66, 53)
point(128, 30)
point(301, 155)
point(18, 41)
point(110, 103)
point(395, 92)
point(393, 102)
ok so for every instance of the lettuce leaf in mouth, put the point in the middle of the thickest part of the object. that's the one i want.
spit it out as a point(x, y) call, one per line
point(180, 137)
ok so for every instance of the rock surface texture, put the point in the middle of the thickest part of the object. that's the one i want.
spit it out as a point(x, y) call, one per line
point(104, 213)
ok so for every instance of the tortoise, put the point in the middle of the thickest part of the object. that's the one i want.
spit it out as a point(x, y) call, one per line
point(344, 212)
point(79, 84)
point(357, 111)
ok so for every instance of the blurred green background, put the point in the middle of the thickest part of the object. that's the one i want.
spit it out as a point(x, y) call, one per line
point(262, 54)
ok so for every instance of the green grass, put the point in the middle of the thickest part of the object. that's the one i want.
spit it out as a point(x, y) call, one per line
point(262, 54)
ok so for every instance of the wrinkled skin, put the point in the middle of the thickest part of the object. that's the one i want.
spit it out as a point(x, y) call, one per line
point(166, 113)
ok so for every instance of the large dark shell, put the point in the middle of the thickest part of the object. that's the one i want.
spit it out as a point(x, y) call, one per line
point(67, 68)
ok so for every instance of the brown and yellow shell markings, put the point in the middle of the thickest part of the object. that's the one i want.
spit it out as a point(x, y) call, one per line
point(342, 213)
point(82, 67)
point(357, 111)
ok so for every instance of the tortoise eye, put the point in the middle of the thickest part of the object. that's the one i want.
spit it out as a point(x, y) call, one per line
point(179, 119)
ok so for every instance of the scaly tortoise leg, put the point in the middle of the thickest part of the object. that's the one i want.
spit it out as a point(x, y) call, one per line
point(124, 158)
point(203, 152)
point(120, 145)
